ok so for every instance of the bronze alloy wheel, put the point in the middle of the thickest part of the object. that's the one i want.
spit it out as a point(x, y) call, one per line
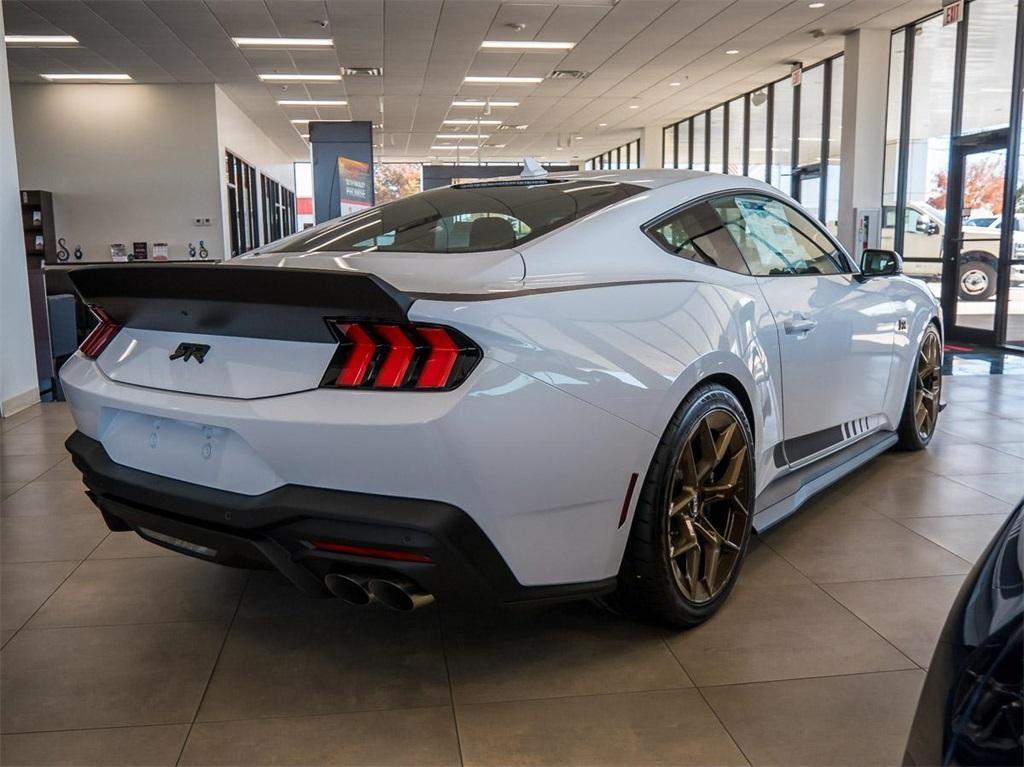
point(928, 386)
point(707, 518)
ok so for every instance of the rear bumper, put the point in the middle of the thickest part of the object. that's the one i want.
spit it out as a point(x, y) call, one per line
point(274, 530)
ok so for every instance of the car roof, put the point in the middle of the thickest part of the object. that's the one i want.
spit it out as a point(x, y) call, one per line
point(650, 178)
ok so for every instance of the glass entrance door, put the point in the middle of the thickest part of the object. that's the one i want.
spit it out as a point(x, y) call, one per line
point(971, 245)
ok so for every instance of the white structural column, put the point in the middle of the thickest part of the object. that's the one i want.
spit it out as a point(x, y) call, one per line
point(650, 146)
point(865, 77)
point(19, 386)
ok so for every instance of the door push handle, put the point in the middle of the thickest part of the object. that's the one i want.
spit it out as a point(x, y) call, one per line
point(794, 327)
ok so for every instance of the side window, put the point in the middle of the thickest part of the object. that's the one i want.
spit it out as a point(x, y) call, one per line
point(697, 234)
point(774, 238)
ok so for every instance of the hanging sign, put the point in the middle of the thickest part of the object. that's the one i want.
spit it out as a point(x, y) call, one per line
point(952, 13)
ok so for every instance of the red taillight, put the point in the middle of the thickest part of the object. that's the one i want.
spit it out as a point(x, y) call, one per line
point(393, 356)
point(101, 335)
point(370, 551)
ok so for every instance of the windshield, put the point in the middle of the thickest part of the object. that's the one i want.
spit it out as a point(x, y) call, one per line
point(465, 218)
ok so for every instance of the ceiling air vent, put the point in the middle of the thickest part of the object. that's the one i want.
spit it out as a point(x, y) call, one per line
point(362, 71)
point(569, 74)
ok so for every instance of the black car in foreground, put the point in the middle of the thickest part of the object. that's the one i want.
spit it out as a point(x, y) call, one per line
point(971, 710)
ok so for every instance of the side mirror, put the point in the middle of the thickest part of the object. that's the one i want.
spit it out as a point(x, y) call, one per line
point(880, 263)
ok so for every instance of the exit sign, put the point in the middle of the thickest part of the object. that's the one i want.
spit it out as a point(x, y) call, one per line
point(952, 13)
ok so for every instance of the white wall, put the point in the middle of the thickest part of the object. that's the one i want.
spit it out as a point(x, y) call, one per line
point(125, 163)
point(237, 134)
point(18, 383)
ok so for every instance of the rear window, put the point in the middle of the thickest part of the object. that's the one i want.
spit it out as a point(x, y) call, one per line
point(465, 218)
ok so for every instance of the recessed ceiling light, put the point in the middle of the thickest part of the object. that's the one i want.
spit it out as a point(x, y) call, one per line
point(283, 42)
point(527, 45)
point(485, 103)
point(312, 103)
point(579, 138)
point(40, 40)
point(299, 78)
point(108, 77)
point(674, 85)
point(815, 5)
point(634, 106)
point(602, 125)
point(731, 52)
point(362, 71)
point(471, 122)
point(461, 136)
point(507, 80)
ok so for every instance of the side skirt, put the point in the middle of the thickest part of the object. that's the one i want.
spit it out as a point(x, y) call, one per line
point(789, 492)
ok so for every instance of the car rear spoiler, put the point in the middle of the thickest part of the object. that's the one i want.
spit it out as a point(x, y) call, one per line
point(249, 301)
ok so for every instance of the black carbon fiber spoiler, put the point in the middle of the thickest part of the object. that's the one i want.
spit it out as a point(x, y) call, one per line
point(247, 301)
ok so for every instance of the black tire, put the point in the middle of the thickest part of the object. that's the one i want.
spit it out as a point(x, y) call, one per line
point(911, 437)
point(649, 583)
point(977, 281)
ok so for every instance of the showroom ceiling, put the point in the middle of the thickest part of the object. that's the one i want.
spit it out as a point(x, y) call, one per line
point(649, 62)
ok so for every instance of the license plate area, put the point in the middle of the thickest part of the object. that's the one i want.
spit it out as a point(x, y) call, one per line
point(203, 454)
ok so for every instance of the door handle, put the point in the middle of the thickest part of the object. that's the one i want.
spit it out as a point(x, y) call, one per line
point(795, 327)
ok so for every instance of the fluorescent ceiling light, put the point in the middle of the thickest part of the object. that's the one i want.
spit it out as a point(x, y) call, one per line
point(463, 135)
point(731, 52)
point(40, 40)
point(112, 77)
point(447, 146)
point(301, 120)
point(674, 85)
point(815, 5)
point(283, 42)
point(507, 80)
point(527, 45)
point(634, 106)
point(471, 122)
point(312, 103)
point(299, 78)
point(485, 103)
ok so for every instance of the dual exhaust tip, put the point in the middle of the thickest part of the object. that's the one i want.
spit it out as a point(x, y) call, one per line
point(397, 593)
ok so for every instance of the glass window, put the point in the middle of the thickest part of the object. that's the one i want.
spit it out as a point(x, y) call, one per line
point(812, 95)
point(782, 135)
point(668, 147)
point(716, 148)
point(700, 160)
point(774, 238)
point(465, 218)
point(835, 146)
point(894, 116)
point(988, 74)
point(758, 148)
point(683, 152)
point(696, 234)
point(931, 104)
point(736, 118)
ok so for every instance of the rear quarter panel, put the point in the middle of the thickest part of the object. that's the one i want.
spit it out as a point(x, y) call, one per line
point(636, 350)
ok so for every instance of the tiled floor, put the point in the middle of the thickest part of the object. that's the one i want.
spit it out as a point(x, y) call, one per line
point(115, 651)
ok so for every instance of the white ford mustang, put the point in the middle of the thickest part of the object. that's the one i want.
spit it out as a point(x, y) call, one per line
point(561, 386)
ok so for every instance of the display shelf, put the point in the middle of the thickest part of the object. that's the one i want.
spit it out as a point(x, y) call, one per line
point(37, 221)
